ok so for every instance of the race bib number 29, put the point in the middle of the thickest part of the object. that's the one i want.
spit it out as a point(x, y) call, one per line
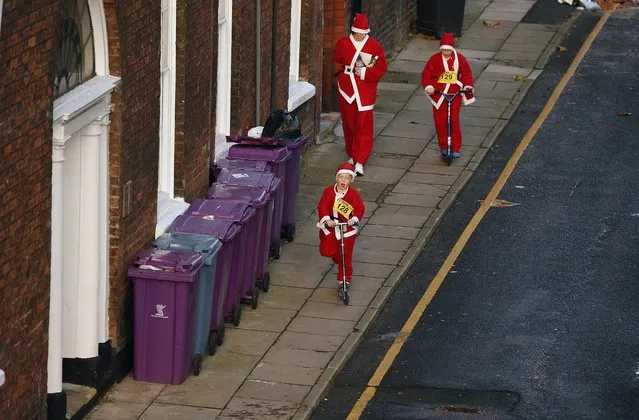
point(343, 208)
point(448, 77)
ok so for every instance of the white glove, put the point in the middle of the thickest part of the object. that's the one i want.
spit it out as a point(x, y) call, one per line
point(430, 90)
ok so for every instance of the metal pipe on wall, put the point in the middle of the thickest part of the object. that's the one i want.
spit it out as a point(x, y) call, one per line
point(273, 56)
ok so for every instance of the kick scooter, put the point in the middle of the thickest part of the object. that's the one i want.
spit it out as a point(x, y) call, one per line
point(448, 157)
point(343, 291)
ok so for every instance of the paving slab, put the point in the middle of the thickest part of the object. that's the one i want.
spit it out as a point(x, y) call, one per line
point(332, 310)
point(480, 43)
point(360, 281)
point(132, 391)
point(382, 174)
point(284, 297)
point(256, 409)
point(434, 179)
point(420, 103)
point(266, 319)
point(301, 252)
point(324, 326)
point(310, 341)
point(121, 410)
point(390, 160)
point(400, 219)
point(296, 275)
point(419, 200)
point(284, 355)
point(273, 391)
point(407, 130)
point(369, 191)
point(247, 342)
point(423, 116)
point(402, 146)
point(377, 256)
point(386, 231)
point(161, 411)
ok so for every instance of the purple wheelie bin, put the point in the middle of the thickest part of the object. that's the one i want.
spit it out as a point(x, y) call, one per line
point(292, 175)
point(245, 214)
point(165, 284)
point(229, 272)
point(263, 201)
point(277, 157)
point(247, 177)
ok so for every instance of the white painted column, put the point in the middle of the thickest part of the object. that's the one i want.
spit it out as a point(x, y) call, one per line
point(54, 362)
point(103, 215)
point(89, 247)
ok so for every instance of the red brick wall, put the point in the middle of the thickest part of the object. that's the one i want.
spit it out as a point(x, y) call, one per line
point(27, 53)
point(195, 98)
point(389, 20)
point(244, 63)
point(134, 32)
point(311, 64)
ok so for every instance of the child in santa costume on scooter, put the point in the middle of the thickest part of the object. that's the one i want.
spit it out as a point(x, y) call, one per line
point(340, 203)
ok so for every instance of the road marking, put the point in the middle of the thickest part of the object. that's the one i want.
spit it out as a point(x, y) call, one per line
point(371, 388)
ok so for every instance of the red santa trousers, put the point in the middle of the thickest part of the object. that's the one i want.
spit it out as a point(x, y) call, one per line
point(331, 247)
point(358, 130)
point(441, 124)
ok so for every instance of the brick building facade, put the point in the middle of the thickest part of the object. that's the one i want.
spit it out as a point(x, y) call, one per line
point(101, 176)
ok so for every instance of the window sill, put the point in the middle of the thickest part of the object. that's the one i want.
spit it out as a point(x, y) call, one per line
point(168, 210)
point(298, 93)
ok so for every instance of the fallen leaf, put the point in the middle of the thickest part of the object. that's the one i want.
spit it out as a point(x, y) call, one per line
point(520, 77)
point(624, 114)
point(500, 203)
point(561, 48)
point(493, 24)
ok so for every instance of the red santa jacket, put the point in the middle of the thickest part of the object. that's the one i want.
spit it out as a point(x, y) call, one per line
point(369, 55)
point(327, 209)
point(436, 65)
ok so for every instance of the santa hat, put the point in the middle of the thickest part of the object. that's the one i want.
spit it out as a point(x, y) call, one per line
point(345, 168)
point(447, 42)
point(360, 24)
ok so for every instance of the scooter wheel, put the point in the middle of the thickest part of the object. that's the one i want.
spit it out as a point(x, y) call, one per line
point(220, 334)
point(449, 159)
point(265, 282)
point(345, 297)
point(197, 364)
point(212, 344)
point(237, 315)
point(254, 297)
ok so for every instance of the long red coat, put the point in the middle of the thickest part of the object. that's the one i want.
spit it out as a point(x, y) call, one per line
point(362, 89)
point(436, 65)
point(326, 211)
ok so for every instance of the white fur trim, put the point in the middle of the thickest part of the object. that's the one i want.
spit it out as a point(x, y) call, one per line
point(345, 171)
point(350, 233)
point(466, 100)
point(362, 72)
point(447, 47)
point(360, 31)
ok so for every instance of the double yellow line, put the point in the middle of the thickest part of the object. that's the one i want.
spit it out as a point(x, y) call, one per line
point(371, 388)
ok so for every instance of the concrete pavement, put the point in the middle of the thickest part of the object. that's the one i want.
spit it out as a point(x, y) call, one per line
point(279, 362)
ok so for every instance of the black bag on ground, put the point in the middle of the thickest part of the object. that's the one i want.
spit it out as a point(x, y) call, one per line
point(282, 124)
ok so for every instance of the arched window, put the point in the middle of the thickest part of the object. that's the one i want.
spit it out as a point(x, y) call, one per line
point(75, 63)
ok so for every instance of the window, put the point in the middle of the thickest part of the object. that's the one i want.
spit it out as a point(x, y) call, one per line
point(168, 208)
point(223, 102)
point(298, 91)
point(74, 59)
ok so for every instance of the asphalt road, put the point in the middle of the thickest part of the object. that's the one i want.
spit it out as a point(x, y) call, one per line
point(538, 318)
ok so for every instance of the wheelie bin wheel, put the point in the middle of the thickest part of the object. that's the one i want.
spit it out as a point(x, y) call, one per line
point(237, 314)
point(276, 250)
point(265, 282)
point(220, 334)
point(212, 344)
point(197, 364)
point(254, 297)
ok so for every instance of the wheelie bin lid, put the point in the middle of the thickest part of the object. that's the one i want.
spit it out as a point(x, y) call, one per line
point(290, 143)
point(238, 211)
point(206, 245)
point(258, 165)
point(248, 178)
point(165, 264)
point(274, 154)
point(257, 197)
point(223, 229)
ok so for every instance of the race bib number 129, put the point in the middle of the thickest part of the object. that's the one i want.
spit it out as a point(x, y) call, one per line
point(448, 77)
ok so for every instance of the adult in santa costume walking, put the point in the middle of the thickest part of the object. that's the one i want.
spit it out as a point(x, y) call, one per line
point(448, 71)
point(340, 203)
point(362, 64)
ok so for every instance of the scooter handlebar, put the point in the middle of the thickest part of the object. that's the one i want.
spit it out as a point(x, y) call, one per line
point(342, 224)
point(441, 92)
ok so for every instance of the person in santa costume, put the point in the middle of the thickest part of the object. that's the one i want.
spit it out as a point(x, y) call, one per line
point(448, 71)
point(362, 64)
point(340, 203)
